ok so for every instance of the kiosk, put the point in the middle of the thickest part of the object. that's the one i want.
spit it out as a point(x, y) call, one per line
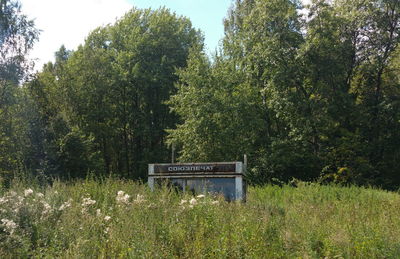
point(224, 178)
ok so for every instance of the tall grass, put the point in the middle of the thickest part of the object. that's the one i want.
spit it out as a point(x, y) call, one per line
point(124, 219)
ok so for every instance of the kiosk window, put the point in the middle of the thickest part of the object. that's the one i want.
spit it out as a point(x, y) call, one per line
point(225, 186)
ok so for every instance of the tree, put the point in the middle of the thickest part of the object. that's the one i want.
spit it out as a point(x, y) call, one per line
point(110, 93)
point(235, 109)
point(323, 90)
point(220, 112)
point(17, 35)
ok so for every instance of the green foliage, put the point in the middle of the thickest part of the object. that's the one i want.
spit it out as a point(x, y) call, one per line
point(17, 35)
point(100, 108)
point(74, 153)
point(312, 95)
point(214, 107)
point(117, 84)
point(113, 218)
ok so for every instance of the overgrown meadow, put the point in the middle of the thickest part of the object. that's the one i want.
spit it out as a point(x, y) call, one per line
point(124, 219)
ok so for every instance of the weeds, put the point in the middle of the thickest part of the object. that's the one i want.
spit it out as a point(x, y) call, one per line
point(125, 219)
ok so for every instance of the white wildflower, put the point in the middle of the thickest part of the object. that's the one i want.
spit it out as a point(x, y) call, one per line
point(215, 202)
point(47, 208)
point(106, 230)
point(183, 202)
point(151, 206)
point(122, 197)
point(139, 199)
point(28, 192)
point(200, 196)
point(20, 200)
point(3, 200)
point(87, 202)
point(40, 195)
point(193, 202)
point(107, 218)
point(9, 225)
point(65, 205)
point(98, 212)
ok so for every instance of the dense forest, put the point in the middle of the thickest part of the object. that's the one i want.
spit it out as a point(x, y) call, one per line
point(307, 92)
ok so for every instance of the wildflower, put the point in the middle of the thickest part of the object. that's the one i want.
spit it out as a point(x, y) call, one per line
point(200, 196)
point(28, 192)
point(193, 201)
point(122, 197)
point(3, 200)
point(152, 206)
point(139, 199)
point(65, 205)
point(107, 218)
point(9, 225)
point(47, 208)
point(106, 230)
point(183, 202)
point(40, 195)
point(98, 212)
point(20, 200)
point(87, 202)
point(18, 203)
point(215, 202)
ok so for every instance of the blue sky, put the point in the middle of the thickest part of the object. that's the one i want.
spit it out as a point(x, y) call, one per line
point(206, 15)
point(68, 22)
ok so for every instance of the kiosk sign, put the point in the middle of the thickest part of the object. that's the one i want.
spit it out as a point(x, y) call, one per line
point(195, 168)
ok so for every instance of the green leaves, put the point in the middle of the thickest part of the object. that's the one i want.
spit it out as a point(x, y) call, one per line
point(311, 94)
point(112, 91)
point(303, 93)
point(17, 35)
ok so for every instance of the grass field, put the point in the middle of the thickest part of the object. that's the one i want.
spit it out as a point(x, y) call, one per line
point(123, 219)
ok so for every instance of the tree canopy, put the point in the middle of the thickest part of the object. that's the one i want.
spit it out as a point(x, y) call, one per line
point(307, 92)
point(103, 105)
point(17, 35)
point(322, 92)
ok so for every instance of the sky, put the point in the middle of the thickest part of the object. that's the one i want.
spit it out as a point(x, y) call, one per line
point(68, 22)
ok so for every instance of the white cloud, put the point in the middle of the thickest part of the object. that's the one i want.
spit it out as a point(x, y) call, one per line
point(68, 22)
